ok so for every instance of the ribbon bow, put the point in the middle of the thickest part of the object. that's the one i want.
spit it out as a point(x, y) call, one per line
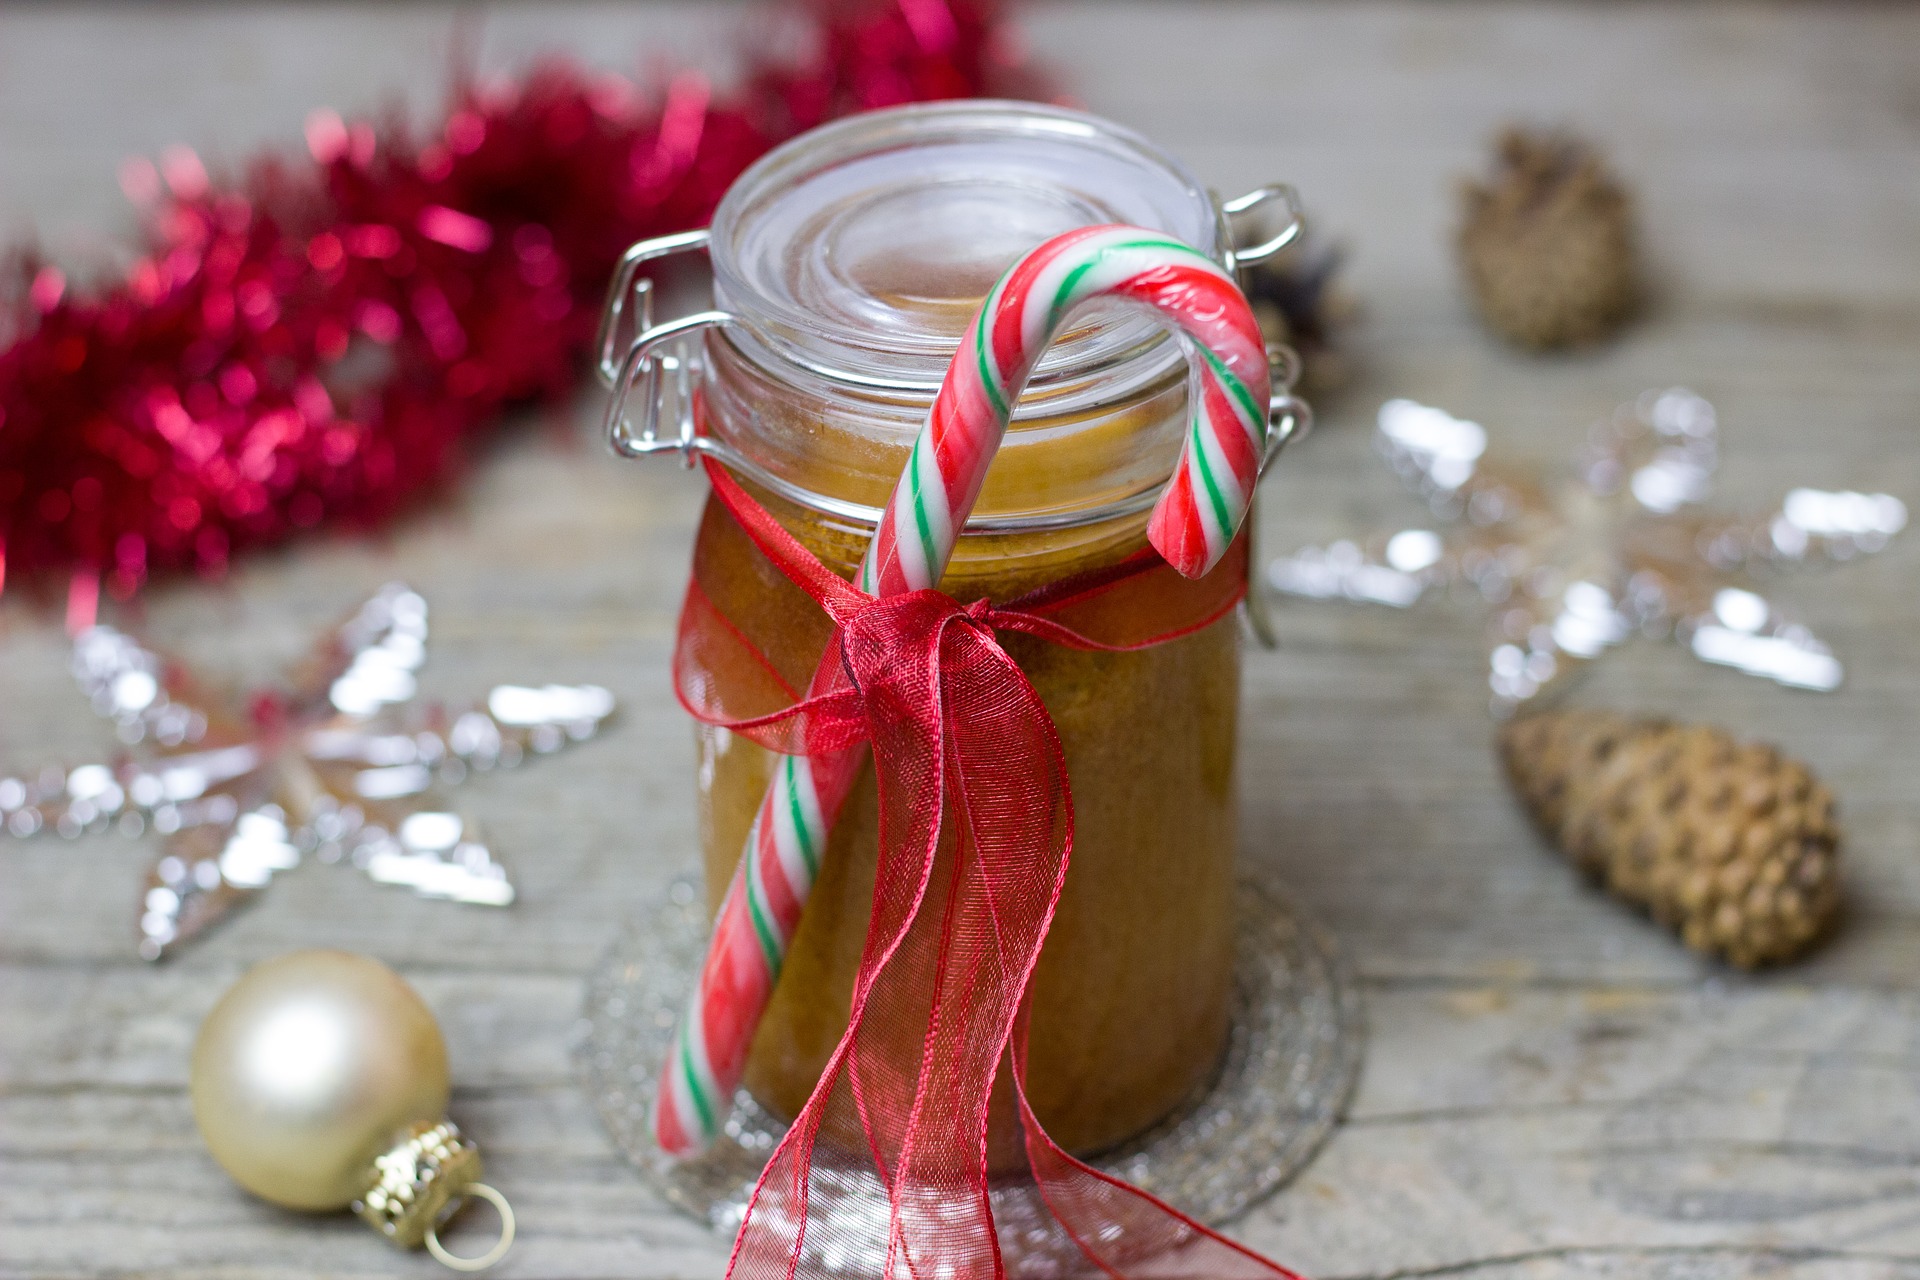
point(976, 833)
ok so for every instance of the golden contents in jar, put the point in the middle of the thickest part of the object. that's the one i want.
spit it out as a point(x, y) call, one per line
point(1129, 1001)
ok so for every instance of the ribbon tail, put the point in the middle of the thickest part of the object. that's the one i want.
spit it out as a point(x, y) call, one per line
point(1125, 1232)
point(1011, 824)
point(851, 1124)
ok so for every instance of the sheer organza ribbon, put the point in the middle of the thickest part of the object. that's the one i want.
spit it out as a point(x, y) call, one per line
point(976, 831)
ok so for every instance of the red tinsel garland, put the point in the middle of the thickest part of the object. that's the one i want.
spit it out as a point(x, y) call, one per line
point(316, 344)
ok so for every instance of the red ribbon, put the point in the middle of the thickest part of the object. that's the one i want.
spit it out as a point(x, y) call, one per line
point(976, 831)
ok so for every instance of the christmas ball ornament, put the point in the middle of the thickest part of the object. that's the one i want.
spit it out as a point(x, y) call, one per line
point(1732, 845)
point(1548, 243)
point(319, 1082)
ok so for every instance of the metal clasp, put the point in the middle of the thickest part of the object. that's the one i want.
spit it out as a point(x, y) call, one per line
point(629, 283)
point(1241, 206)
point(1289, 418)
point(663, 359)
point(659, 359)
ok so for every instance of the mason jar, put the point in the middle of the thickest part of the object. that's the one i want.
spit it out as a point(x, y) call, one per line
point(844, 267)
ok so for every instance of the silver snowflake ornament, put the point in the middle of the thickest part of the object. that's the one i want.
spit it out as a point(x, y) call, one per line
point(1623, 546)
point(340, 764)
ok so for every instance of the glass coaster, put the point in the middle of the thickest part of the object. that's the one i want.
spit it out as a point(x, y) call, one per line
point(1292, 1056)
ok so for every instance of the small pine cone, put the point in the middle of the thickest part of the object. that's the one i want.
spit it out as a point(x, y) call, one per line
point(1731, 845)
point(1548, 244)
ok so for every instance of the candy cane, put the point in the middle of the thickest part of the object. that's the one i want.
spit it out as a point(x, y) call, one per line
point(1192, 525)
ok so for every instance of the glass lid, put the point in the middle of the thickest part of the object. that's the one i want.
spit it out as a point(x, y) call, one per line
point(860, 250)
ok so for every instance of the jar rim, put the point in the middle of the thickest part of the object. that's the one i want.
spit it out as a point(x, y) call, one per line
point(818, 175)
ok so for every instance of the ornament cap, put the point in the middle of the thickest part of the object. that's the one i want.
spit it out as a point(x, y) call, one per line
point(424, 1180)
point(412, 1185)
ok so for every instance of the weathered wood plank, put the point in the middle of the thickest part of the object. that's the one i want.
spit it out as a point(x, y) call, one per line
point(1498, 1122)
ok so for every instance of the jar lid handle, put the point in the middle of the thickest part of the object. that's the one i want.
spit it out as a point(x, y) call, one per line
point(628, 283)
point(1240, 206)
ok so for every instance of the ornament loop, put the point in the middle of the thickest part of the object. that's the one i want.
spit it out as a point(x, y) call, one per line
point(500, 1246)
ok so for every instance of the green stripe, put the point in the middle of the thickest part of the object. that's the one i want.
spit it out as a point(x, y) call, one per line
point(1231, 381)
point(1072, 279)
point(1067, 284)
point(987, 378)
point(807, 854)
point(1214, 495)
point(1187, 249)
point(757, 912)
point(700, 1101)
point(921, 525)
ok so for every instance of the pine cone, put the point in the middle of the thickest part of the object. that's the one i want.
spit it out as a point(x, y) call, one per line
point(1548, 245)
point(1732, 846)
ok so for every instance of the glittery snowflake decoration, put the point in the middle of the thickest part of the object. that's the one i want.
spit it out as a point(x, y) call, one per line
point(338, 765)
point(1622, 548)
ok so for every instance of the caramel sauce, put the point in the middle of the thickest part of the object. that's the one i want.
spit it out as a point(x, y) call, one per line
point(1130, 998)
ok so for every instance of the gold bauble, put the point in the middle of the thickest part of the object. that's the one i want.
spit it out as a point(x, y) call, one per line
point(310, 1067)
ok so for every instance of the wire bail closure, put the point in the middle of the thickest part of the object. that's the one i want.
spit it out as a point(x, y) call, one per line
point(629, 288)
point(661, 364)
point(1243, 207)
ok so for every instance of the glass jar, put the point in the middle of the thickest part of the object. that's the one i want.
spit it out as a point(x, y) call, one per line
point(845, 265)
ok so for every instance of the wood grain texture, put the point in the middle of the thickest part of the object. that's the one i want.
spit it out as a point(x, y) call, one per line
point(1554, 1089)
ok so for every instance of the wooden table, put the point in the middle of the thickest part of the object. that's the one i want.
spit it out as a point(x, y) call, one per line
point(1553, 1087)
